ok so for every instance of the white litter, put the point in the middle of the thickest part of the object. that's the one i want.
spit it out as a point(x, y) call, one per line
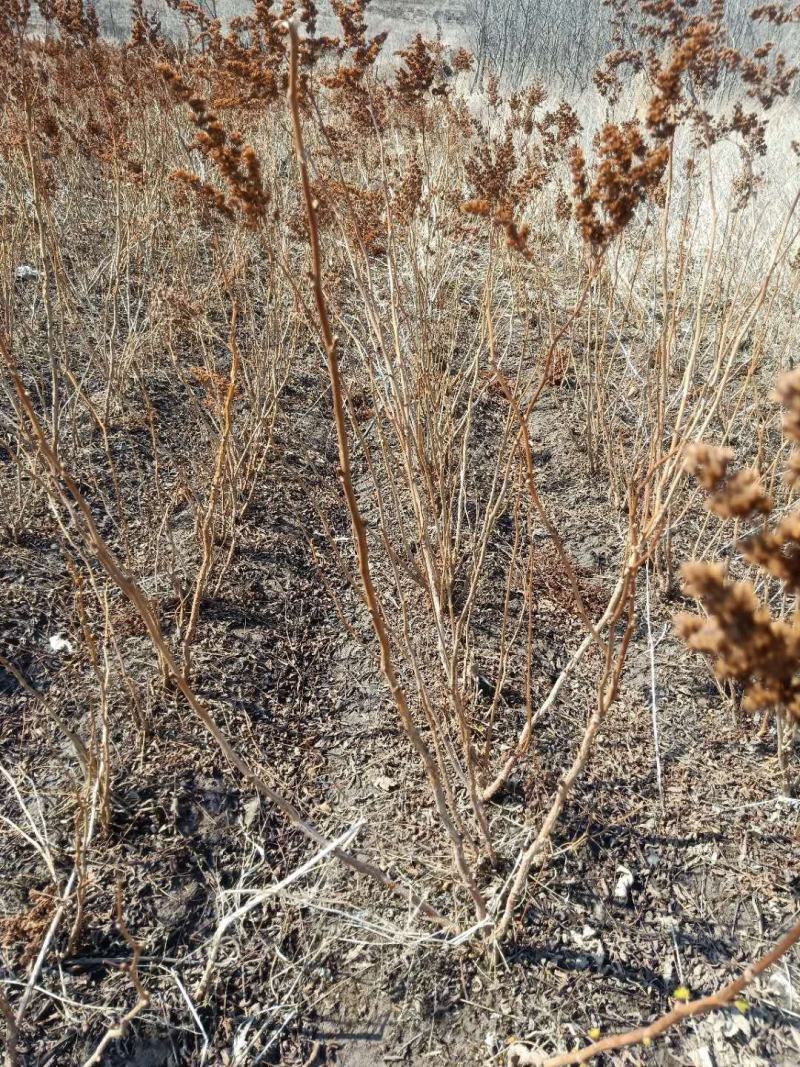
point(60, 644)
point(624, 884)
point(589, 940)
point(26, 273)
point(385, 783)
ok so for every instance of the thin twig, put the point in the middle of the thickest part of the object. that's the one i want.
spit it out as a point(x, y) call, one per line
point(261, 897)
point(118, 1031)
point(12, 1032)
point(67, 491)
point(518, 1057)
point(80, 749)
point(55, 922)
point(653, 699)
point(606, 694)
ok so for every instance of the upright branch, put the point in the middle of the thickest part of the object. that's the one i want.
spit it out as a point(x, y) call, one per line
point(371, 597)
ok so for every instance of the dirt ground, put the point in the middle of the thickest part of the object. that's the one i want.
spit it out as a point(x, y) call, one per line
point(329, 971)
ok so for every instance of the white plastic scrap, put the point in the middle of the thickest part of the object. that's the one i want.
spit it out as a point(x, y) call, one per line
point(624, 884)
point(60, 644)
point(26, 273)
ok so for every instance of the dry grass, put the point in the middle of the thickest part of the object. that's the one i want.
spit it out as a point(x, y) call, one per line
point(284, 329)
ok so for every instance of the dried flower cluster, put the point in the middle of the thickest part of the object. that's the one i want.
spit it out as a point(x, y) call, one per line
point(740, 634)
point(632, 158)
point(505, 170)
point(236, 161)
point(740, 495)
point(357, 51)
point(745, 642)
point(417, 72)
point(145, 26)
point(362, 216)
point(76, 21)
point(707, 463)
point(215, 385)
point(626, 173)
point(787, 393)
point(776, 14)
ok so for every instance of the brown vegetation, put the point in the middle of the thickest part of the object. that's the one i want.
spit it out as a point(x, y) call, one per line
point(191, 235)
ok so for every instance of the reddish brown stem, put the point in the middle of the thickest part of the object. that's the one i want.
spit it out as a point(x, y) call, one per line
point(371, 597)
point(646, 1034)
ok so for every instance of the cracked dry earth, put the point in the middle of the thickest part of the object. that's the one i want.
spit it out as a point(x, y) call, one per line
point(634, 900)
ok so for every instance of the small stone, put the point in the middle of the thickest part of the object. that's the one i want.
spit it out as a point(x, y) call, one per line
point(251, 809)
point(385, 783)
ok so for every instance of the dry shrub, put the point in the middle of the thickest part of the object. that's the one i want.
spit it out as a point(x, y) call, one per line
point(454, 283)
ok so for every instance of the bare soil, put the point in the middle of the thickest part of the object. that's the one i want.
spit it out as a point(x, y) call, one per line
point(331, 972)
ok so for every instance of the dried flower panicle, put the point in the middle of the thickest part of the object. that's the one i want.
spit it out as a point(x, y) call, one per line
point(491, 166)
point(740, 495)
point(463, 61)
point(787, 394)
point(493, 94)
point(563, 206)
point(707, 463)
point(145, 26)
point(557, 128)
point(236, 161)
point(14, 18)
point(516, 232)
point(504, 177)
point(417, 72)
point(743, 639)
point(627, 172)
point(357, 51)
point(245, 62)
point(76, 21)
point(777, 551)
point(745, 185)
point(776, 14)
point(630, 165)
point(363, 220)
point(791, 474)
